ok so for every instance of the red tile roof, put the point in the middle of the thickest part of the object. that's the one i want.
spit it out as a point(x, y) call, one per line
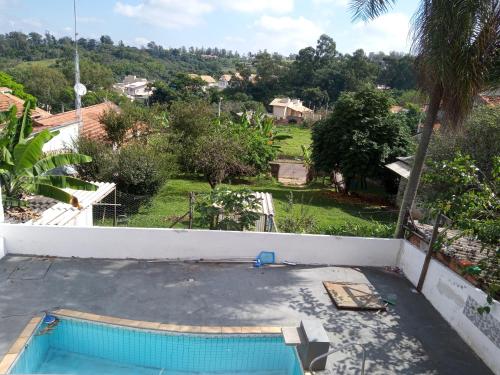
point(493, 101)
point(92, 128)
point(7, 100)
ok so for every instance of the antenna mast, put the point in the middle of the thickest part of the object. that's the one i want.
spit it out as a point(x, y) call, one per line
point(78, 100)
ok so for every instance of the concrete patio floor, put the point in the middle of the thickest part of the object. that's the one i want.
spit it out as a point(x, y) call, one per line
point(411, 338)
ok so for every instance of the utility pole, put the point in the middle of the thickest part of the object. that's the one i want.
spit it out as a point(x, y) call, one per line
point(2, 218)
point(220, 103)
point(80, 90)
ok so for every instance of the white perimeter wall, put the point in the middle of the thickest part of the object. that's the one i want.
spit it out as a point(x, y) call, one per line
point(64, 139)
point(2, 248)
point(147, 243)
point(449, 293)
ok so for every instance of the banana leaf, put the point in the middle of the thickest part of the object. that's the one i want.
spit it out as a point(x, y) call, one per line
point(25, 122)
point(5, 156)
point(26, 154)
point(56, 193)
point(66, 182)
point(56, 161)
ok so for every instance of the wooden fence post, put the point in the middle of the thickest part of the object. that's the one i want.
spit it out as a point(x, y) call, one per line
point(430, 251)
point(191, 209)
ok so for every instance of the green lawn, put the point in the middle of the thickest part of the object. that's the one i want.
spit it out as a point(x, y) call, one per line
point(300, 136)
point(327, 207)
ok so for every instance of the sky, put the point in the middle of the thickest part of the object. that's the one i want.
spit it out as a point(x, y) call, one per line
point(283, 26)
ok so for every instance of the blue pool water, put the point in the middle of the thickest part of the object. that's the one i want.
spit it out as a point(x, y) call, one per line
point(82, 347)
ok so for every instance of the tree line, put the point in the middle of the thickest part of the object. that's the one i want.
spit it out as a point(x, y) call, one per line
point(44, 65)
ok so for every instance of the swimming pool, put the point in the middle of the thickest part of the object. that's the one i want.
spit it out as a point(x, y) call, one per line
point(83, 347)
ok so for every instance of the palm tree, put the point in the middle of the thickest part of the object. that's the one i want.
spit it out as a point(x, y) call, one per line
point(456, 44)
point(24, 168)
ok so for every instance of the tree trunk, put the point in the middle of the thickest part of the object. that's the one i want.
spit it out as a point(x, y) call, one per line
point(418, 164)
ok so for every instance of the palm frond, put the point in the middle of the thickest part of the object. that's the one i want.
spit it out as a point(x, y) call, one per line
point(369, 9)
point(456, 44)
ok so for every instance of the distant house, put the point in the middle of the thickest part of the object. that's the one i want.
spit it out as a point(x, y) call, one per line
point(134, 88)
point(490, 98)
point(224, 81)
point(7, 100)
point(397, 109)
point(287, 109)
point(67, 125)
point(208, 80)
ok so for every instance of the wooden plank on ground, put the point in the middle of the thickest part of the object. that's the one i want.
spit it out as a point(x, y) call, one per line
point(354, 296)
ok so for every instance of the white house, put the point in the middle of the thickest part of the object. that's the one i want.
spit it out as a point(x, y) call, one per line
point(286, 108)
point(134, 88)
point(224, 81)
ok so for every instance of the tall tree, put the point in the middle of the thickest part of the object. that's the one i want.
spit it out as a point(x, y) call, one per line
point(456, 44)
point(359, 137)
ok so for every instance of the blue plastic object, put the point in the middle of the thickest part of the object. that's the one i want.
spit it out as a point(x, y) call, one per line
point(266, 257)
point(49, 319)
point(257, 263)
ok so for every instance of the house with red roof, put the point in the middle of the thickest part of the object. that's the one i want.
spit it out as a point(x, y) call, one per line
point(8, 100)
point(67, 125)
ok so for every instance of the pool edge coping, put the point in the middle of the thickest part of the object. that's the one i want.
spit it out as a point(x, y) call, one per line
point(164, 327)
point(10, 358)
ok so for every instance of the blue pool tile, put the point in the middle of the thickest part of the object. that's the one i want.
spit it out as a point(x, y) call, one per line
point(82, 347)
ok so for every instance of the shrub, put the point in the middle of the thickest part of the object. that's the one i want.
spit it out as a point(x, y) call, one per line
point(297, 220)
point(136, 168)
point(140, 170)
point(218, 156)
point(102, 159)
point(375, 229)
point(116, 125)
point(224, 209)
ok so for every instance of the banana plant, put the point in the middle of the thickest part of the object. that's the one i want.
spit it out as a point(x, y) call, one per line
point(265, 126)
point(24, 168)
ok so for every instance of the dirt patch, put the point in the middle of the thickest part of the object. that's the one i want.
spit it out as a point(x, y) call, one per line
point(361, 199)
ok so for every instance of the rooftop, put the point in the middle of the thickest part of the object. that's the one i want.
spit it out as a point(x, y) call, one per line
point(7, 100)
point(410, 338)
point(294, 104)
point(92, 128)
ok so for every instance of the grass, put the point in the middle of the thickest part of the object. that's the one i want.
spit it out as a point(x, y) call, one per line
point(42, 63)
point(300, 136)
point(327, 207)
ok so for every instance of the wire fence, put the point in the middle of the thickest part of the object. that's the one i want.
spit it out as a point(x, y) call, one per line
point(117, 209)
point(128, 210)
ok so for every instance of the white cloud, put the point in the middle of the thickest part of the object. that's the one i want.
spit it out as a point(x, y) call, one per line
point(340, 3)
point(285, 34)
point(166, 13)
point(388, 32)
point(140, 42)
point(259, 6)
point(89, 20)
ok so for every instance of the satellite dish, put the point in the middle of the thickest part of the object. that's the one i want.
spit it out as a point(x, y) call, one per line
point(80, 89)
